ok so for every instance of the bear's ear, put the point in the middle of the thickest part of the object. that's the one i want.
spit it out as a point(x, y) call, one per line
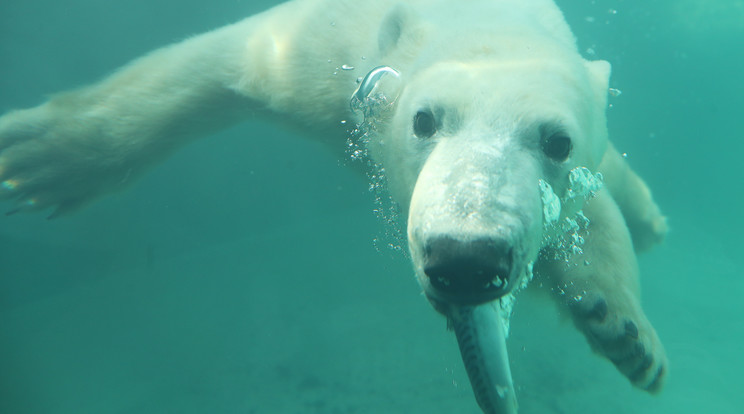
point(599, 77)
point(598, 72)
point(398, 26)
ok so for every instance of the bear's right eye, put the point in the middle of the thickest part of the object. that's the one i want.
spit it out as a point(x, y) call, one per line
point(424, 125)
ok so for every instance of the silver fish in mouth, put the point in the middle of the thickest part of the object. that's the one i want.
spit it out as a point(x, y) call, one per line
point(480, 336)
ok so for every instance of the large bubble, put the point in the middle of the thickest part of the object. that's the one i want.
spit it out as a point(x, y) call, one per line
point(377, 92)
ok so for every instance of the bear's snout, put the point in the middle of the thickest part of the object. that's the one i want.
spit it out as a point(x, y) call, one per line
point(469, 272)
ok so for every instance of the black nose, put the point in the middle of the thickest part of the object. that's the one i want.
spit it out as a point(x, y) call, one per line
point(462, 268)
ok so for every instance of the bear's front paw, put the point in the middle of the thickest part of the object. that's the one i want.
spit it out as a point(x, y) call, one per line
point(632, 345)
point(51, 157)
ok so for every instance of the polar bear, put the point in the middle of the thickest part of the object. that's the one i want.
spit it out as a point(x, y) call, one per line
point(478, 113)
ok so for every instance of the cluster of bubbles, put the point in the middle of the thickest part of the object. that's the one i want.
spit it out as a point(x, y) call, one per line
point(583, 184)
point(609, 13)
point(563, 236)
point(374, 100)
point(505, 304)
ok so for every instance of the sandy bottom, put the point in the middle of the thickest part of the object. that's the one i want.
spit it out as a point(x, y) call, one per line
point(287, 323)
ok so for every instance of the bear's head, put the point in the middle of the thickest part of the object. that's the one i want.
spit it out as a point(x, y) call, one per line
point(464, 150)
point(487, 140)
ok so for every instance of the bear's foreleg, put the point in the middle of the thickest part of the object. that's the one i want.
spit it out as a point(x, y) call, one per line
point(599, 289)
point(95, 139)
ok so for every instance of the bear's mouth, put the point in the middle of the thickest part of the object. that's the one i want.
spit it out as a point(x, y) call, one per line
point(468, 272)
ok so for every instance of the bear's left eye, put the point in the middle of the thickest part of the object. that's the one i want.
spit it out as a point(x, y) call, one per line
point(424, 125)
point(557, 147)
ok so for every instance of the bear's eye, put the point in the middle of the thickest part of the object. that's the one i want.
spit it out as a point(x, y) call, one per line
point(557, 147)
point(424, 125)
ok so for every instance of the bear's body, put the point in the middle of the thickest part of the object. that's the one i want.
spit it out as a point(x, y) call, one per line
point(493, 98)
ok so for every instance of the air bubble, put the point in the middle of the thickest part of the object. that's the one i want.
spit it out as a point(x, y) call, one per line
point(582, 183)
point(566, 237)
point(373, 101)
point(376, 93)
point(10, 184)
point(551, 202)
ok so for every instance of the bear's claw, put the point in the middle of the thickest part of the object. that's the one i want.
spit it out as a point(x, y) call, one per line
point(598, 312)
point(658, 382)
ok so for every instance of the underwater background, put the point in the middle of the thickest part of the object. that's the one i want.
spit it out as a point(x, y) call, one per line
point(248, 273)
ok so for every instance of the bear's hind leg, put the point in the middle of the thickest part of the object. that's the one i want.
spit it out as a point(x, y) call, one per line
point(599, 288)
point(647, 225)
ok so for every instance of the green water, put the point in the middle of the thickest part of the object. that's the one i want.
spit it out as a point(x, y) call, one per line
point(241, 275)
